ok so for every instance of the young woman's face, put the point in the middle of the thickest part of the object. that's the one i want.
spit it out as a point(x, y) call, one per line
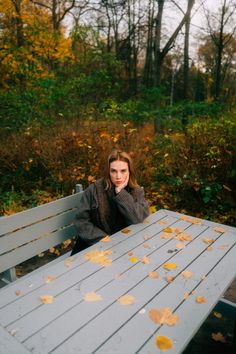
point(119, 172)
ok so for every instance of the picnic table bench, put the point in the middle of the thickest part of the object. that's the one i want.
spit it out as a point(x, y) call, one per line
point(79, 303)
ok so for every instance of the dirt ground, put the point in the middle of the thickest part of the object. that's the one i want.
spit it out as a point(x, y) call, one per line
point(202, 342)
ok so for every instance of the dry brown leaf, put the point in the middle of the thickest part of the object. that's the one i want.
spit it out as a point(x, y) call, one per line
point(99, 257)
point(146, 237)
point(163, 316)
point(146, 245)
point(145, 260)
point(186, 295)
point(210, 248)
point(196, 221)
point(105, 239)
point(180, 246)
point(66, 244)
point(18, 292)
point(130, 254)
point(162, 222)
point(169, 278)
point(183, 237)
point(92, 296)
point(201, 300)
point(218, 337)
point(167, 236)
point(178, 230)
point(125, 230)
point(169, 266)
point(68, 262)
point(126, 300)
point(208, 241)
point(46, 299)
point(186, 274)
point(153, 275)
point(219, 229)
point(164, 343)
point(50, 278)
point(217, 314)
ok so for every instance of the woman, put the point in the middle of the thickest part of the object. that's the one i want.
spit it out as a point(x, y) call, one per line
point(111, 203)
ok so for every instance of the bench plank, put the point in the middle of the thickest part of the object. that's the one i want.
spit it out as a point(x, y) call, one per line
point(9, 345)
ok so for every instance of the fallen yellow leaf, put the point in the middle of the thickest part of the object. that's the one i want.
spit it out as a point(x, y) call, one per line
point(218, 337)
point(133, 259)
point(169, 278)
point(50, 278)
point(208, 241)
point(200, 299)
point(219, 229)
point(125, 230)
point(99, 257)
point(145, 260)
point(126, 300)
point(18, 292)
point(163, 316)
point(168, 230)
point(164, 343)
point(153, 275)
point(106, 239)
point(46, 299)
point(217, 314)
point(92, 296)
point(186, 274)
point(180, 246)
point(169, 266)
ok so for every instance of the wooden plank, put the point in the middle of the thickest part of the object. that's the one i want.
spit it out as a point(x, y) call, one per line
point(33, 232)
point(9, 345)
point(30, 216)
point(35, 247)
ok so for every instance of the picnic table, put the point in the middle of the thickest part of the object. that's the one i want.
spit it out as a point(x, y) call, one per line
point(144, 289)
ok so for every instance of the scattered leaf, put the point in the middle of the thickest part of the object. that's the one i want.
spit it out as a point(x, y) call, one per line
point(145, 260)
point(168, 230)
point(210, 248)
point(218, 337)
point(186, 274)
point(217, 314)
point(146, 245)
point(146, 237)
point(164, 343)
point(18, 292)
point(130, 254)
point(166, 236)
point(223, 247)
point(219, 229)
point(162, 222)
point(126, 300)
point(153, 275)
point(186, 295)
point(51, 249)
point(41, 254)
point(169, 266)
point(196, 221)
point(163, 316)
point(105, 239)
point(133, 259)
point(99, 257)
point(200, 299)
point(208, 241)
point(50, 278)
point(178, 230)
point(125, 230)
point(92, 296)
point(66, 243)
point(183, 237)
point(169, 278)
point(46, 299)
point(180, 246)
point(68, 262)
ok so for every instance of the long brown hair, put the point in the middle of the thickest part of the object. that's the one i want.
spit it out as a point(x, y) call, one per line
point(118, 155)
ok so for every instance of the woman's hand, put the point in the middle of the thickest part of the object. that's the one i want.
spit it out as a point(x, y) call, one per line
point(123, 185)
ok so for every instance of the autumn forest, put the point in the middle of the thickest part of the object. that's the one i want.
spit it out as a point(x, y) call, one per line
point(78, 78)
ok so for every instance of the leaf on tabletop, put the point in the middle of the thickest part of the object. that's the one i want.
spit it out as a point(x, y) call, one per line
point(146, 237)
point(145, 260)
point(218, 337)
point(178, 230)
point(125, 230)
point(164, 343)
point(153, 275)
point(92, 296)
point(133, 259)
point(183, 237)
point(169, 278)
point(105, 239)
point(66, 243)
point(209, 248)
point(180, 246)
point(219, 229)
point(167, 236)
point(217, 314)
point(185, 218)
point(18, 292)
point(99, 257)
point(223, 247)
point(169, 266)
point(46, 299)
point(50, 278)
point(130, 254)
point(146, 245)
point(201, 299)
point(68, 262)
point(196, 221)
point(162, 222)
point(126, 300)
point(186, 274)
point(163, 316)
point(168, 230)
point(208, 241)
point(186, 295)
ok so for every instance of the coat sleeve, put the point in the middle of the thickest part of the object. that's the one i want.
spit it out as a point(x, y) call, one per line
point(86, 229)
point(134, 211)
